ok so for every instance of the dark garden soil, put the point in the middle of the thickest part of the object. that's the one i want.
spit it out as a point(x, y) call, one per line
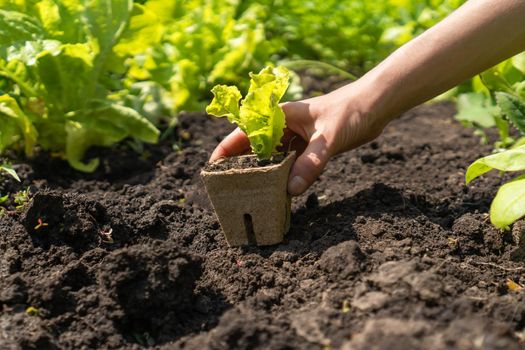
point(388, 250)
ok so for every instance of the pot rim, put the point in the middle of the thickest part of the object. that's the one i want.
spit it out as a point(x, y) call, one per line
point(265, 168)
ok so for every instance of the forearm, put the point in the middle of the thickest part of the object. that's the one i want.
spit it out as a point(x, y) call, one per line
point(475, 37)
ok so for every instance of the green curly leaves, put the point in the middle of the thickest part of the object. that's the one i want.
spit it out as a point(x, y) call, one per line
point(259, 115)
point(260, 110)
point(226, 104)
point(58, 63)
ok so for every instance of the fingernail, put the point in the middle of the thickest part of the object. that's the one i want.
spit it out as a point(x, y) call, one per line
point(296, 186)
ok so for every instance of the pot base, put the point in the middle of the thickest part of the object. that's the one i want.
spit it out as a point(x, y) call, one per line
point(252, 205)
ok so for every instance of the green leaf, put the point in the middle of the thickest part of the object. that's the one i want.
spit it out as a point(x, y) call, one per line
point(65, 75)
point(476, 108)
point(18, 27)
point(513, 109)
point(61, 20)
point(124, 118)
point(49, 15)
point(503, 129)
point(260, 116)
point(78, 141)
point(14, 123)
point(509, 203)
point(104, 125)
point(3, 200)
point(225, 103)
point(183, 82)
point(519, 62)
point(509, 160)
point(17, 72)
point(494, 80)
point(9, 169)
point(260, 111)
point(107, 20)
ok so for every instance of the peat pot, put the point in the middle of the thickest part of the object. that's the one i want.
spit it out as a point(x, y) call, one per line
point(251, 203)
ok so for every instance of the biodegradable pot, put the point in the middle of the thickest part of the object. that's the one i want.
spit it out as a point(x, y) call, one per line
point(252, 204)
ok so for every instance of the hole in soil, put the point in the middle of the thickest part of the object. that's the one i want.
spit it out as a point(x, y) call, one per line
point(248, 226)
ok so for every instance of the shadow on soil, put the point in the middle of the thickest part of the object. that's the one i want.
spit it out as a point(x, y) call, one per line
point(321, 227)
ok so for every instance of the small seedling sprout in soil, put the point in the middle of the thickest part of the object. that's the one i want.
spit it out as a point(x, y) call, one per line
point(8, 169)
point(32, 311)
point(259, 114)
point(41, 224)
point(21, 198)
point(106, 235)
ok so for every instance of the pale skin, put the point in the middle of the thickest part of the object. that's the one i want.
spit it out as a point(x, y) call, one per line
point(475, 37)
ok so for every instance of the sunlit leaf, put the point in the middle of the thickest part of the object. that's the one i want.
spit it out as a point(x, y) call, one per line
point(9, 170)
point(476, 108)
point(15, 122)
point(104, 125)
point(509, 203)
point(510, 160)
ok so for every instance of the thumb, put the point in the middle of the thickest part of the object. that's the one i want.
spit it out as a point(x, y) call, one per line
point(308, 166)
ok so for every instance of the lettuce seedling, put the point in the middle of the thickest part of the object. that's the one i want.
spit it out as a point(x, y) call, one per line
point(21, 198)
point(40, 224)
point(259, 114)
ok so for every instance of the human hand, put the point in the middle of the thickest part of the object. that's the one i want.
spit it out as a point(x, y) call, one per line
point(317, 128)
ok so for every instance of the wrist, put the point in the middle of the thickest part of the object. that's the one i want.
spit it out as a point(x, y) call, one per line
point(372, 100)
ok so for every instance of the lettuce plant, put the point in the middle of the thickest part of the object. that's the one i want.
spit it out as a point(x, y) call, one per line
point(509, 203)
point(60, 63)
point(259, 114)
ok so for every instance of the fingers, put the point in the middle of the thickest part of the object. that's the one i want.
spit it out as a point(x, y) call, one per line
point(234, 144)
point(308, 166)
point(297, 117)
point(292, 141)
point(312, 161)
